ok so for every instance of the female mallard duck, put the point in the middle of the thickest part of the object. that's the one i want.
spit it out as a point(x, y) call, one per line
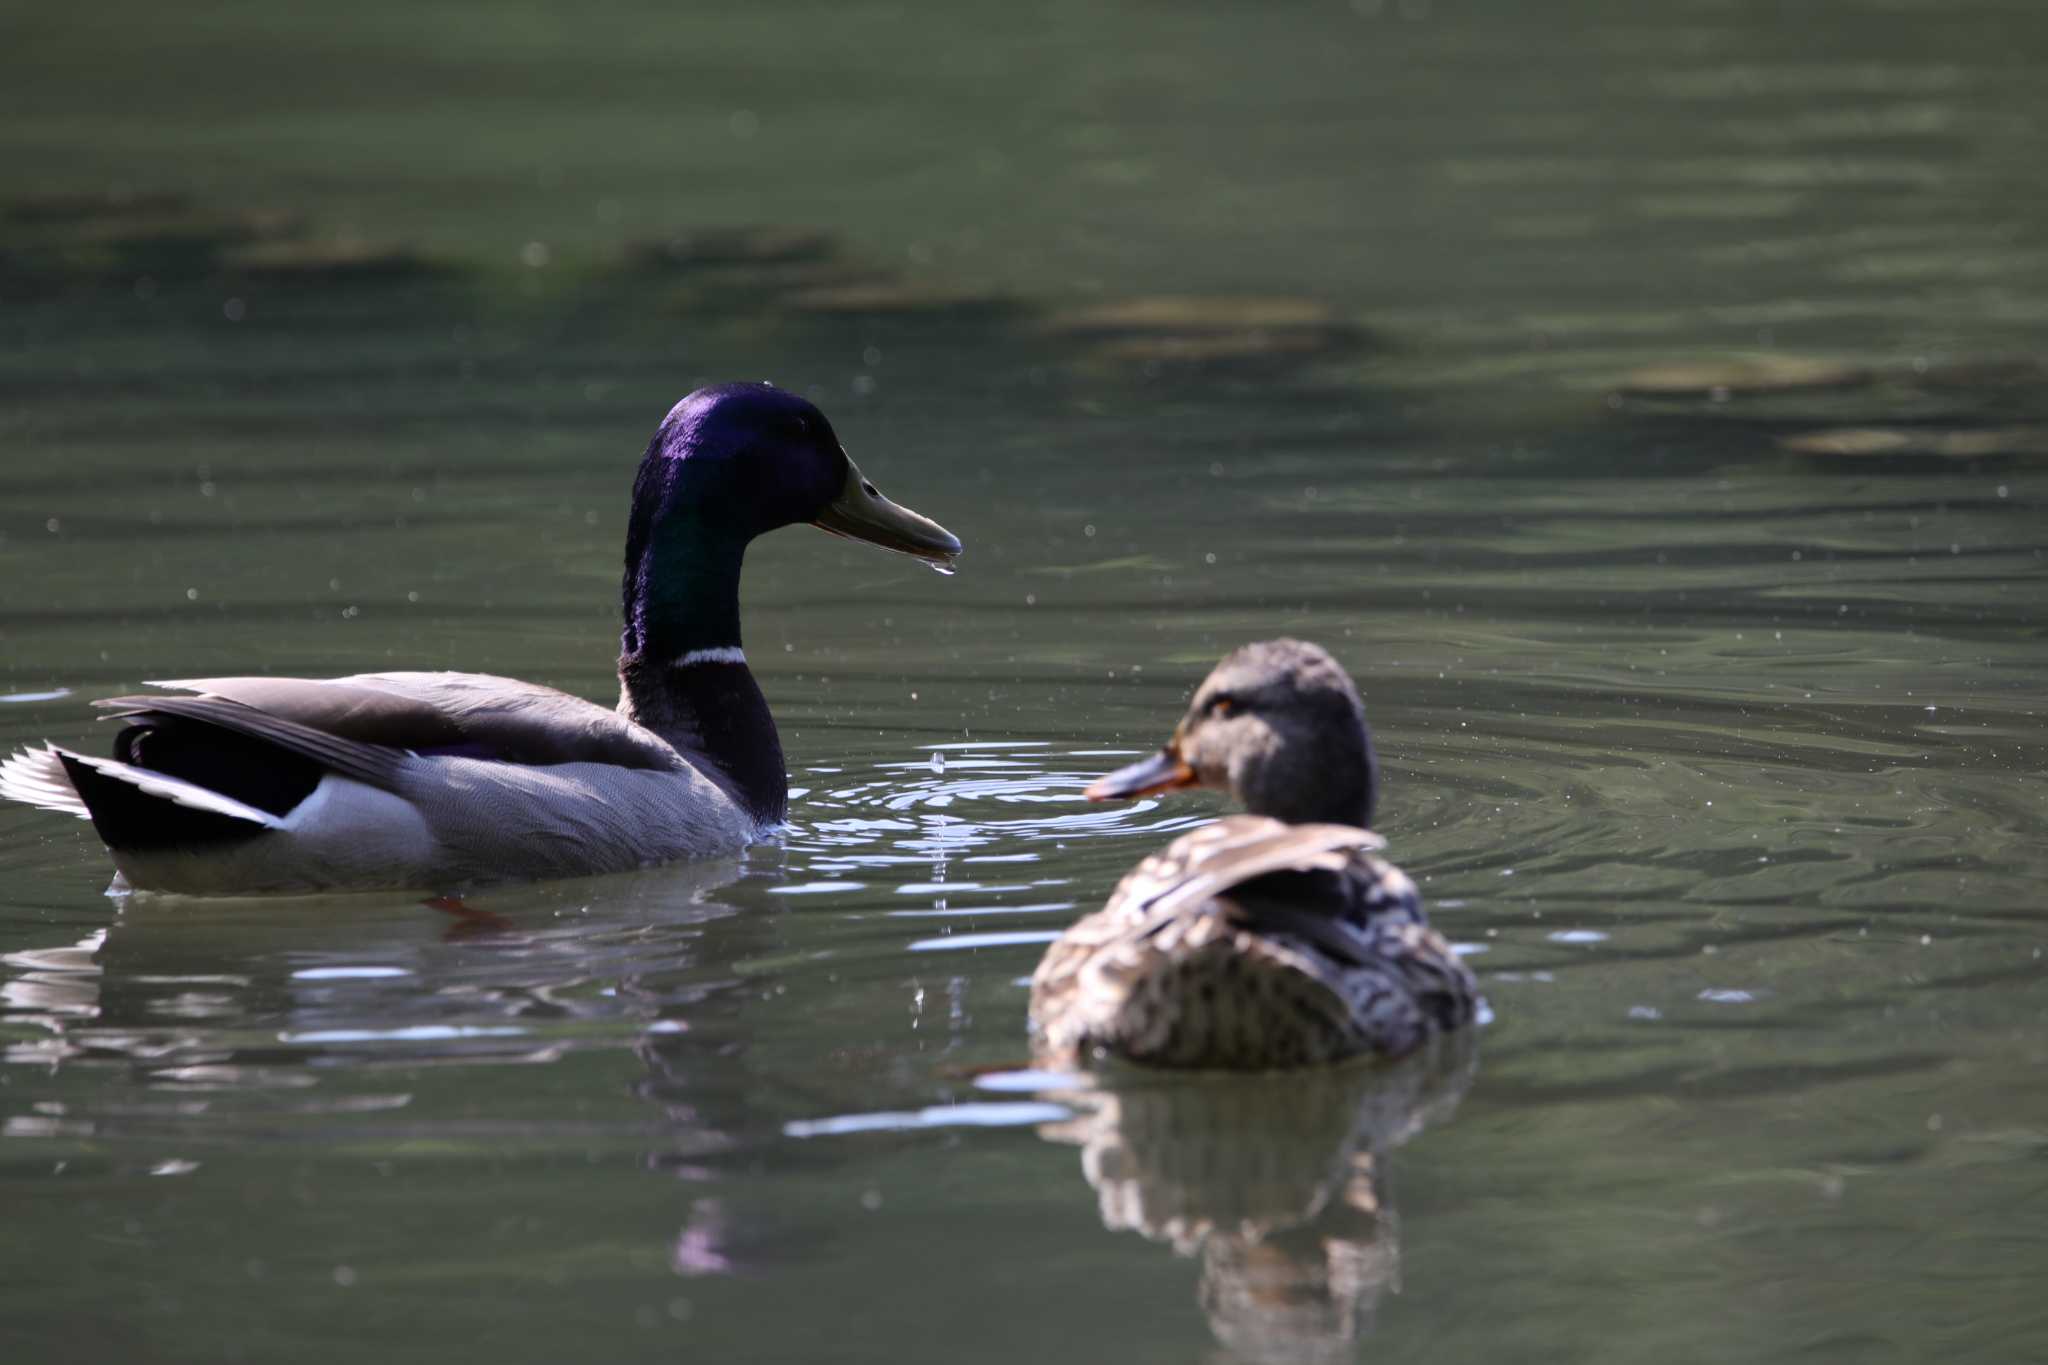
point(268, 785)
point(1275, 939)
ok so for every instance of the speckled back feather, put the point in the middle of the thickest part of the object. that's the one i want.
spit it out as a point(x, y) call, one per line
point(1252, 944)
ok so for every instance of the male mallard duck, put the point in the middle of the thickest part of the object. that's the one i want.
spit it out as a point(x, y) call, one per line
point(1275, 939)
point(430, 780)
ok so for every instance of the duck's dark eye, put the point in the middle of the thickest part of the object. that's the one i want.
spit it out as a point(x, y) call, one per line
point(1221, 705)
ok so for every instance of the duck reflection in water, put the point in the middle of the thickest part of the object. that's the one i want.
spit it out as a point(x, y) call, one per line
point(241, 1002)
point(369, 1020)
point(1277, 1183)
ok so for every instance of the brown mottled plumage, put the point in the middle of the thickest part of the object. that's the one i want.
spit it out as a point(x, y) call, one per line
point(1256, 943)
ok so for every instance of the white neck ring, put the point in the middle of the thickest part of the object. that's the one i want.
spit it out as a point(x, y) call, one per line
point(720, 654)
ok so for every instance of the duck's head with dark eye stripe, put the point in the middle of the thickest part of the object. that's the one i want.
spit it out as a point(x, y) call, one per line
point(1278, 725)
point(729, 463)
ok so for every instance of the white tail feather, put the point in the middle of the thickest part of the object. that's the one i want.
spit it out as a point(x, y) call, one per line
point(38, 777)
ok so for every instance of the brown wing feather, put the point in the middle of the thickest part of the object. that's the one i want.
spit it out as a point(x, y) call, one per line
point(345, 710)
point(375, 764)
point(500, 718)
point(1248, 847)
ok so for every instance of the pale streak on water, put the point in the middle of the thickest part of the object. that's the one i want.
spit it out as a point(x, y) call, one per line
point(1721, 765)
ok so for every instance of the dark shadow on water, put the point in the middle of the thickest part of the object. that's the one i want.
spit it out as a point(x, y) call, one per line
point(142, 241)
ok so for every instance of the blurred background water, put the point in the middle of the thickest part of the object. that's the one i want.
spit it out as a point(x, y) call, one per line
point(1646, 404)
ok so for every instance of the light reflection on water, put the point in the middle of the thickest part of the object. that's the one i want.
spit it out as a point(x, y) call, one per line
point(529, 974)
point(960, 812)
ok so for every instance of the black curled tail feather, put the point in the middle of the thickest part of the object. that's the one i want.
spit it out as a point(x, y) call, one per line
point(127, 817)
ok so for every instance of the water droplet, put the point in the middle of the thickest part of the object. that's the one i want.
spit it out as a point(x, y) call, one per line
point(942, 567)
point(938, 762)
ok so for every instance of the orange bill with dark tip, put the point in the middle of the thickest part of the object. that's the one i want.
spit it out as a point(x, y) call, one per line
point(1164, 771)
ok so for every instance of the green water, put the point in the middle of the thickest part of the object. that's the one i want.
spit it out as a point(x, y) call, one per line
point(1197, 323)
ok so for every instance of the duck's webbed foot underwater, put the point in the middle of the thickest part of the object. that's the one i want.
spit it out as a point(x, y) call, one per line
point(470, 922)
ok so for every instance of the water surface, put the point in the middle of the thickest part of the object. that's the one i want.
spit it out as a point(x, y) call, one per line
point(1716, 743)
